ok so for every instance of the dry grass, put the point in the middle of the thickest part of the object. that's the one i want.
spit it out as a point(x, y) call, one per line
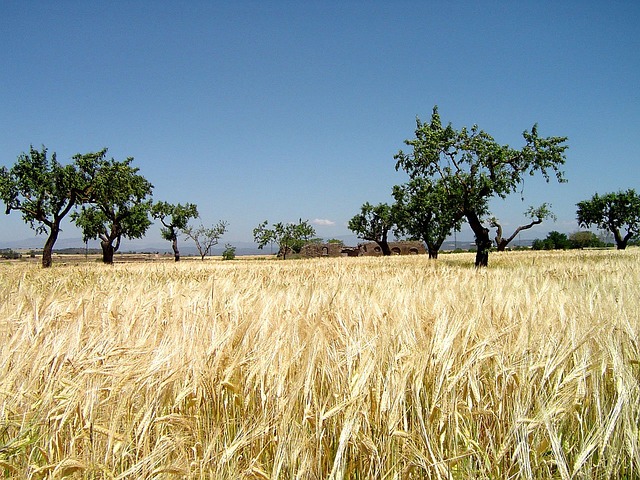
point(387, 368)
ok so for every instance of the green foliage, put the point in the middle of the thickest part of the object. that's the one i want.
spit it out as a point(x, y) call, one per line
point(8, 254)
point(290, 237)
point(229, 252)
point(585, 239)
point(335, 241)
point(554, 241)
point(423, 210)
point(119, 202)
point(206, 237)
point(174, 218)
point(373, 223)
point(474, 168)
point(615, 212)
point(44, 191)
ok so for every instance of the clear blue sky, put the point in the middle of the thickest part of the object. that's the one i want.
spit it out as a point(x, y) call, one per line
point(276, 111)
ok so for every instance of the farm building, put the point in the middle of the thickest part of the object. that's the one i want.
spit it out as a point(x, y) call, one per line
point(312, 250)
point(397, 248)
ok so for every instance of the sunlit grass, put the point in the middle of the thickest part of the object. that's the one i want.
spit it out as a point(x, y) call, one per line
point(330, 368)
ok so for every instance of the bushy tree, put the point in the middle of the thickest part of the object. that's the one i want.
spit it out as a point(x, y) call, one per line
point(229, 252)
point(206, 237)
point(585, 239)
point(174, 219)
point(119, 203)
point(554, 241)
point(290, 237)
point(374, 223)
point(44, 191)
point(474, 168)
point(537, 215)
point(424, 212)
point(618, 213)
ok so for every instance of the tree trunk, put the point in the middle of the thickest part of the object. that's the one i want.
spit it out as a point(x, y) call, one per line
point(384, 246)
point(174, 245)
point(483, 242)
point(433, 252)
point(47, 251)
point(621, 243)
point(501, 243)
point(107, 252)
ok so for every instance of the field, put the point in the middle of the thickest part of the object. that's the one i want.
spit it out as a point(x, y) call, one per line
point(390, 368)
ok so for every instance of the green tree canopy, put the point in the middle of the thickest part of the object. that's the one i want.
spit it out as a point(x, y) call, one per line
point(373, 223)
point(424, 211)
point(290, 237)
point(585, 239)
point(554, 241)
point(474, 168)
point(618, 213)
point(174, 219)
point(44, 191)
point(119, 203)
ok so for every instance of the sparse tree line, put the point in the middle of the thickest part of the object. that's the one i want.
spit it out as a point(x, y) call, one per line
point(454, 173)
point(107, 199)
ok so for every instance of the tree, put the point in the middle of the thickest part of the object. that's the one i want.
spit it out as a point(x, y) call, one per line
point(290, 237)
point(424, 211)
point(119, 203)
point(585, 239)
point(174, 218)
point(554, 241)
point(205, 237)
point(373, 223)
point(229, 252)
point(474, 168)
point(537, 215)
point(44, 191)
point(615, 212)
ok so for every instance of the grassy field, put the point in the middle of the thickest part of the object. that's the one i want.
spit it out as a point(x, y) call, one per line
point(390, 368)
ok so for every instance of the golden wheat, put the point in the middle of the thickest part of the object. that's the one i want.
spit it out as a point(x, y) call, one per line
point(394, 367)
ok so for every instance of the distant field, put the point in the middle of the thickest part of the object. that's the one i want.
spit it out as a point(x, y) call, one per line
point(395, 368)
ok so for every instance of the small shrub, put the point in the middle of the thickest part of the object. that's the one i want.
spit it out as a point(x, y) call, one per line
point(9, 254)
point(229, 252)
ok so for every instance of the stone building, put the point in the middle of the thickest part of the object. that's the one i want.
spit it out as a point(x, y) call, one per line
point(313, 250)
point(405, 247)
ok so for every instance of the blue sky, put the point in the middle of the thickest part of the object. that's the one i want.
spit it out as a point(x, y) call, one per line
point(276, 111)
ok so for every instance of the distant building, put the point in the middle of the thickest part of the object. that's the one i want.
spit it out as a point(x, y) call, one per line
point(314, 250)
point(406, 247)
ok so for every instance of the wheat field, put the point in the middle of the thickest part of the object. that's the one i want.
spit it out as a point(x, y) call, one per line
point(354, 368)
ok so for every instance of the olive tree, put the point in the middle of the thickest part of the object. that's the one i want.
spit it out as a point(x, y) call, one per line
point(290, 237)
point(618, 213)
point(537, 215)
point(118, 204)
point(424, 211)
point(374, 223)
point(474, 168)
point(174, 219)
point(44, 191)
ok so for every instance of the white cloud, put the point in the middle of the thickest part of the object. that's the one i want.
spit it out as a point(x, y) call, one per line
point(323, 222)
